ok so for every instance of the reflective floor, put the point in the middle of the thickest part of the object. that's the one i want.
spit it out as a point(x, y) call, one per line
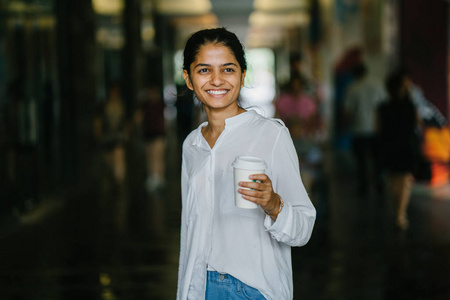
point(109, 241)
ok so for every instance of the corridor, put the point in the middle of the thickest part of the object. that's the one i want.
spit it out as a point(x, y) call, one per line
point(104, 241)
point(72, 227)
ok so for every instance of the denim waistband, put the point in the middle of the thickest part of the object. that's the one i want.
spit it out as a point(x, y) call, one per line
point(226, 282)
point(217, 277)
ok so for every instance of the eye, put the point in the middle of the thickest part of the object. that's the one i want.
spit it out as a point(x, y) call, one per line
point(203, 70)
point(229, 70)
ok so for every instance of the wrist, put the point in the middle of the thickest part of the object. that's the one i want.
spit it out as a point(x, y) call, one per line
point(277, 209)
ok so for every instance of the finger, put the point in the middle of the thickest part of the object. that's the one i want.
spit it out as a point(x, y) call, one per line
point(251, 198)
point(258, 197)
point(250, 193)
point(251, 185)
point(261, 177)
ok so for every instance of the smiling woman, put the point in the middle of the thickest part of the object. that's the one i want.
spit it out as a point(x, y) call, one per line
point(216, 78)
point(228, 252)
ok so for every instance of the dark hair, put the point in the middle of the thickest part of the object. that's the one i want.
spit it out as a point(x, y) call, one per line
point(213, 36)
point(394, 83)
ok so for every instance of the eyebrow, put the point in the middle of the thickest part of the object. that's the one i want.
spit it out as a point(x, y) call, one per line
point(208, 65)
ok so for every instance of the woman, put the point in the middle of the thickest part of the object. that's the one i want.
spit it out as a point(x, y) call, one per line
point(228, 252)
point(397, 124)
point(298, 109)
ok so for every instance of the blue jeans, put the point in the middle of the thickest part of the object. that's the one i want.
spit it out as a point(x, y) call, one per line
point(226, 287)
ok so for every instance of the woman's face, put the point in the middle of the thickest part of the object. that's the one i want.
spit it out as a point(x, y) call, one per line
point(216, 77)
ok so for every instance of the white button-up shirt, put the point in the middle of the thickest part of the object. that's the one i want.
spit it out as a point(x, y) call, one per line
point(245, 243)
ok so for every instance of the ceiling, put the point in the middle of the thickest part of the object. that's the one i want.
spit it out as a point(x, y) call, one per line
point(234, 15)
point(256, 22)
point(261, 22)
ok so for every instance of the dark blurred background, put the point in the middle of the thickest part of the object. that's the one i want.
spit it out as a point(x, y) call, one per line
point(93, 112)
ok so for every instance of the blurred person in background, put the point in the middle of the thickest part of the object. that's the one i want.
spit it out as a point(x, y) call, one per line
point(397, 124)
point(360, 105)
point(429, 114)
point(150, 117)
point(297, 108)
point(298, 67)
point(227, 252)
point(343, 77)
point(110, 131)
point(433, 160)
point(299, 111)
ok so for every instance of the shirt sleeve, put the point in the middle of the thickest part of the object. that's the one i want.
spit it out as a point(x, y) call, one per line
point(295, 223)
point(183, 231)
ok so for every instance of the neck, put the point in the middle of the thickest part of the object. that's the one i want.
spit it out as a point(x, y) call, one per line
point(216, 123)
point(216, 119)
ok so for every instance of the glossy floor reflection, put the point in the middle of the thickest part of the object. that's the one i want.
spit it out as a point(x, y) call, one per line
point(107, 241)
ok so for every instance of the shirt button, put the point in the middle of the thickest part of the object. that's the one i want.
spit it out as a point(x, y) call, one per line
point(221, 277)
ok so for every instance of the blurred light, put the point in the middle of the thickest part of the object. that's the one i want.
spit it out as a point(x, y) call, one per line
point(104, 279)
point(279, 5)
point(148, 31)
point(326, 3)
point(289, 19)
point(110, 38)
point(260, 79)
point(265, 37)
point(183, 7)
point(202, 21)
point(107, 294)
point(17, 6)
point(108, 7)
point(24, 6)
point(186, 25)
point(47, 22)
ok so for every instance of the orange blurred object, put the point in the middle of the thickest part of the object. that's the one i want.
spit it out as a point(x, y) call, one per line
point(436, 144)
point(440, 174)
point(436, 148)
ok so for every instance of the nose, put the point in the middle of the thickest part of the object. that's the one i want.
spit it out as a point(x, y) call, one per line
point(216, 78)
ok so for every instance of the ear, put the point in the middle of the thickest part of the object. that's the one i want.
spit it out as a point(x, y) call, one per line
point(243, 79)
point(188, 80)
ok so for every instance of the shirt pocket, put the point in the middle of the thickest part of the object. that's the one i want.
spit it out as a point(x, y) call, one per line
point(226, 199)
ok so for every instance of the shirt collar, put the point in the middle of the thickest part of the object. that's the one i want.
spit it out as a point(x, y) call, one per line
point(237, 120)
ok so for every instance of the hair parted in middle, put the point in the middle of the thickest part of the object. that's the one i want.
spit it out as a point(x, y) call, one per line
point(213, 36)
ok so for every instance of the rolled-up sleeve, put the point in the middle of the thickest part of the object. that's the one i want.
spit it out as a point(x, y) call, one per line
point(295, 223)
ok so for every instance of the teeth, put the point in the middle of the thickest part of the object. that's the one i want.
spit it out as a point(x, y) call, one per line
point(214, 92)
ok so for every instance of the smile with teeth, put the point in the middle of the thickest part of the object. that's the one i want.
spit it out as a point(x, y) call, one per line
point(217, 92)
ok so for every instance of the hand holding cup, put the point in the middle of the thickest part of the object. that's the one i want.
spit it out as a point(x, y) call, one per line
point(252, 186)
point(260, 191)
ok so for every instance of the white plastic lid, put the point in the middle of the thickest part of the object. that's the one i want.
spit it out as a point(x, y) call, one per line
point(249, 163)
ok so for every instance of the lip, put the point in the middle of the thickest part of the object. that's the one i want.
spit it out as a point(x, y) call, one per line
point(217, 92)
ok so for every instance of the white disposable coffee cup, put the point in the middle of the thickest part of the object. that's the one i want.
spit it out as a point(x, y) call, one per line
point(244, 166)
